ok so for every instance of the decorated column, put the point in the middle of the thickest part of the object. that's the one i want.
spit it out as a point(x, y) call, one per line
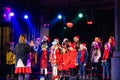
point(116, 55)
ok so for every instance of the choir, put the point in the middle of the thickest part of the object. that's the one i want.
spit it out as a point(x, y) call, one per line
point(69, 58)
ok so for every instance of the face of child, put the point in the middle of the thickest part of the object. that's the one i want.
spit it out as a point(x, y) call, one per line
point(105, 47)
point(63, 50)
point(76, 39)
point(45, 38)
point(81, 47)
point(110, 40)
point(96, 39)
point(11, 48)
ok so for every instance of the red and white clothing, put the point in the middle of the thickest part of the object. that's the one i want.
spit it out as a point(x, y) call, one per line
point(23, 64)
point(21, 68)
point(54, 59)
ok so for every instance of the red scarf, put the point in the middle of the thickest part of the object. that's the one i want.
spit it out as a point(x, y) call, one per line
point(82, 56)
point(106, 54)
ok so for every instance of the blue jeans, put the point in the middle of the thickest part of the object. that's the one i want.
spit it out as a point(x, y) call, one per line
point(82, 69)
point(106, 66)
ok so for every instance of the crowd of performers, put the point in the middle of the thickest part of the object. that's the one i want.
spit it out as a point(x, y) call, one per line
point(65, 58)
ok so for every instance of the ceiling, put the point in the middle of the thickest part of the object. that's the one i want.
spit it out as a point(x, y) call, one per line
point(59, 4)
point(51, 7)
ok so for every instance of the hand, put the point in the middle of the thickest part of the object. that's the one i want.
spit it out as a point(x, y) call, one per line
point(102, 60)
point(76, 63)
point(84, 64)
point(105, 60)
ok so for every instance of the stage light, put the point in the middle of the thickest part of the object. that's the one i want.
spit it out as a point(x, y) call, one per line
point(11, 14)
point(80, 15)
point(25, 16)
point(90, 22)
point(69, 24)
point(59, 16)
point(4, 15)
point(64, 28)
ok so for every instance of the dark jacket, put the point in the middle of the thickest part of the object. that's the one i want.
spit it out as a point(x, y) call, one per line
point(22, 51)
point(79, 56)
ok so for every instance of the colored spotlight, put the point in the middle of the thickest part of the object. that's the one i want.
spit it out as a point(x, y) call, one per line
point(4, 15)
point(59, 16)
point(90, 22)
point(80, 15)
point(64, 28)
point(11, 14)
point(25, 16)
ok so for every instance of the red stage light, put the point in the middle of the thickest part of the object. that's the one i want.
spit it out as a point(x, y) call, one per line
point(90, 22)
point(69, 24)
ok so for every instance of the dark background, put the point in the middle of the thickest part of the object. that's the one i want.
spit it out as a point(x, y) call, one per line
point(101, 12)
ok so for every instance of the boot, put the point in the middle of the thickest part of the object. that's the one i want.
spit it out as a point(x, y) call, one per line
point(7, 77)
point(12, 76)
point(27, 76)
point(20, 77)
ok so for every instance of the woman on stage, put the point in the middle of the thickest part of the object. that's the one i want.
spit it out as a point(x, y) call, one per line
point(23, 65)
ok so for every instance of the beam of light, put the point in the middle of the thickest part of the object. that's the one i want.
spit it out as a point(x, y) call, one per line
point(16, 28)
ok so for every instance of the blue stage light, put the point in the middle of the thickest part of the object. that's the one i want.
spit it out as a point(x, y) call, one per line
point(59, 16)
point(25, 16)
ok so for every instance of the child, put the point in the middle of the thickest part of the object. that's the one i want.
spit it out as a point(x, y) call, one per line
point(72, 59)
point(95, 57)
point(10, 60)
point(82, 60)
point(44, 54)
point(64, 61)
point(54, 58)
point(106, 58)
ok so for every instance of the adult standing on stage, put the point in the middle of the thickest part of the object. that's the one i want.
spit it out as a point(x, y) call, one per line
point(23, 66)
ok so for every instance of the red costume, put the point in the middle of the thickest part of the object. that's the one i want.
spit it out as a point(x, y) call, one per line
point(54, 56)
point(72, 58)
point(64, 61)
point(44, 59)
point(44, 54)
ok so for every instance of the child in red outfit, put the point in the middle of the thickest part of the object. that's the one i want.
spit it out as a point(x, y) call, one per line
point(72, 59)
point(54, 58)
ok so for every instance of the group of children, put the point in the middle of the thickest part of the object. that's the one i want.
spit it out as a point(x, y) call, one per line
point(69, 57)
